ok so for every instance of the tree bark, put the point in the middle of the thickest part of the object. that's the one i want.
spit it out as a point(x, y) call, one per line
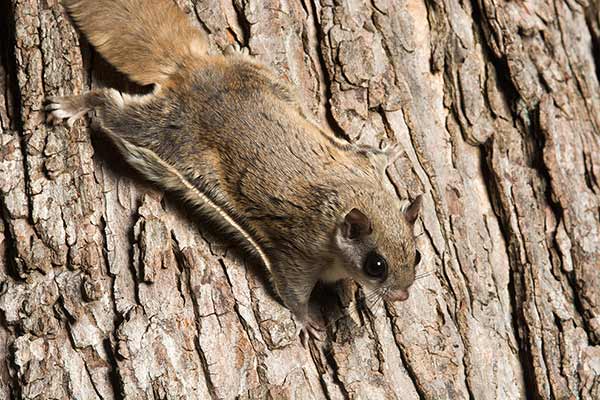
point(109, 290)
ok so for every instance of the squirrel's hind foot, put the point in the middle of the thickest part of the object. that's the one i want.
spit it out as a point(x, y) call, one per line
point(69, 108)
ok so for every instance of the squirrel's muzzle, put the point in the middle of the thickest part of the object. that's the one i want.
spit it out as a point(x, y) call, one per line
point(398, 295)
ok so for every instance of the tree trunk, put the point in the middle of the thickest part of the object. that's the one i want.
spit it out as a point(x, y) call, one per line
point(108, 290)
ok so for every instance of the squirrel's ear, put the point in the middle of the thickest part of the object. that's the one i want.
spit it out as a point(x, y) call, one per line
point(356, 224)
point(412, 212)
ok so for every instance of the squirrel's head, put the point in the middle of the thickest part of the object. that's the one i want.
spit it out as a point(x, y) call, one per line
point(376, 244)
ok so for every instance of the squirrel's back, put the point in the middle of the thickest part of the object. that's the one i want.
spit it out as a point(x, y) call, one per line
point(149, 40)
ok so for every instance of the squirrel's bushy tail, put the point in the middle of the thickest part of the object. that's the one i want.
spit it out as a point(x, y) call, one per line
point(149, 40)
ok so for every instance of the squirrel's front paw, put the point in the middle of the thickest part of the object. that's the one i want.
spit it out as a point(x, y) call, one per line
point(235, 49)
point(310, 327)
point(69, 108)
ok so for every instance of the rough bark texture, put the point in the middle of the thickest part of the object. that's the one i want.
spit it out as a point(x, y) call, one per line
point(108, 290)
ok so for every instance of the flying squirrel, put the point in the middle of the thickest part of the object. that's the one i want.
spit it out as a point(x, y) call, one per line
point(229, 137)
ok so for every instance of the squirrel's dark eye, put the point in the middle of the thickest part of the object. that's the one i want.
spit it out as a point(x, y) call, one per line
point(375, 266)
point(417, 258)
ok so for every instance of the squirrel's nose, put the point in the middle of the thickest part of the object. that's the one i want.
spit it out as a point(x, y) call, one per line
point(398, 295)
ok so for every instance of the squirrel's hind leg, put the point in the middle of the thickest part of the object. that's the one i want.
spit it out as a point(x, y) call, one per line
point(131, 117)
point(71, 108)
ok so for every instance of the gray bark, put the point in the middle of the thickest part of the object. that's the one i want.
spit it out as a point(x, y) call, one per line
point(110, 290)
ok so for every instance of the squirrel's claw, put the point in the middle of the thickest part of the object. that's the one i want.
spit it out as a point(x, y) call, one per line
point(235, 49)
point(311, 328)
point(59, 109)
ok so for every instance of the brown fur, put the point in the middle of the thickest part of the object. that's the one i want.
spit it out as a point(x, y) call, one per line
point(231, 139)
point(149, 40)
